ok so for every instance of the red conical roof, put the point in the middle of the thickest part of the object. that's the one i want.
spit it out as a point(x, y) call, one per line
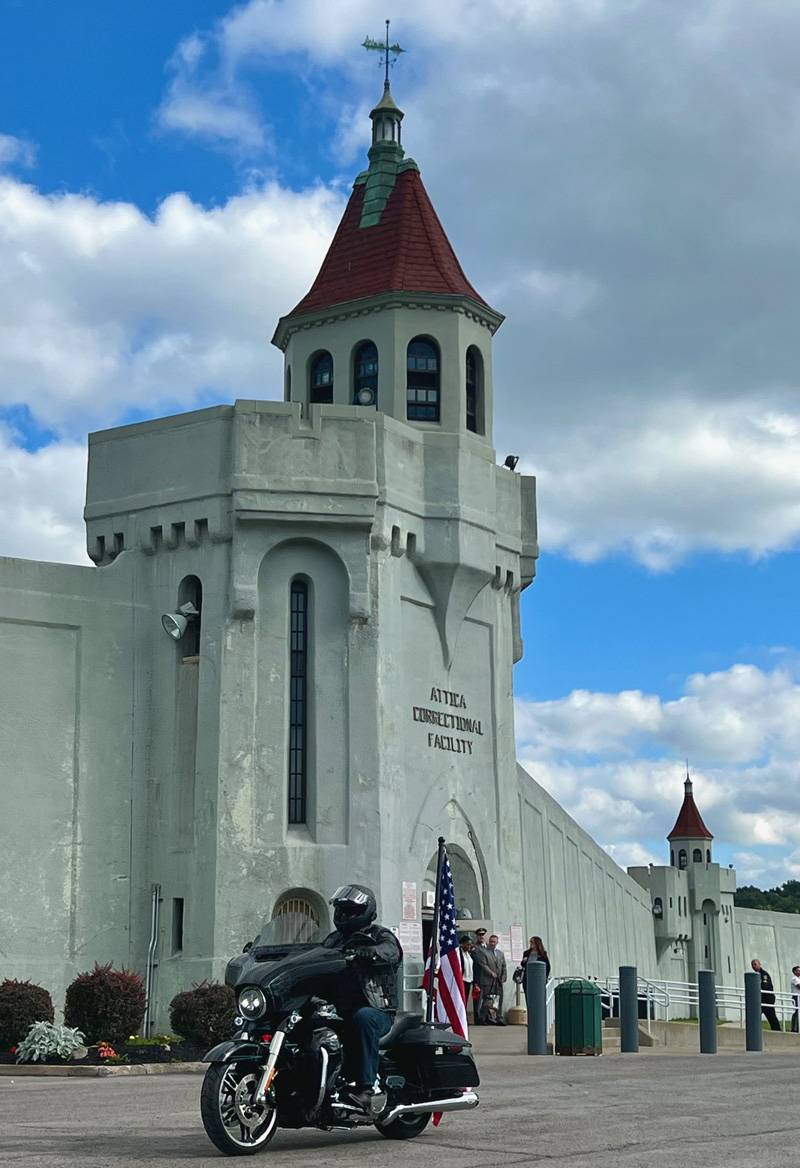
point(406, 251)
point(689, 824)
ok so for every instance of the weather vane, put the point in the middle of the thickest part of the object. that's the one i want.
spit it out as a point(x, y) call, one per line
point(389, 53)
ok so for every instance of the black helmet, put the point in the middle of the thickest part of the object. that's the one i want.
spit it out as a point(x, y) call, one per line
point(354, 907)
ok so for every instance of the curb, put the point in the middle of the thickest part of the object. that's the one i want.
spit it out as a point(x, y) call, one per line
point(30, 1070)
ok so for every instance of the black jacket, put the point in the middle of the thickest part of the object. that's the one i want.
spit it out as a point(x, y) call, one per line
point(526, 957)
point(767, 989)
point(372, 978)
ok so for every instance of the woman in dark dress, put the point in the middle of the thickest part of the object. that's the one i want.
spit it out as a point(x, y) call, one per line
point(535, 952)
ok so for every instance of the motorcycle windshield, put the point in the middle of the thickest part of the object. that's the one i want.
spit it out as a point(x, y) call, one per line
point(288, 929)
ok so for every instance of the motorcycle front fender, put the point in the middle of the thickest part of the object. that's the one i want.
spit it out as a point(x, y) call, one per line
point(235, 1049)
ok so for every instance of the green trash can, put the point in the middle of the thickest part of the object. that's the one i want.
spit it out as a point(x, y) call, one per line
point(578, 1025)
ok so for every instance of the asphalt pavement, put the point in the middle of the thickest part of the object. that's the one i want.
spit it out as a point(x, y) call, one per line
point(631, 1111)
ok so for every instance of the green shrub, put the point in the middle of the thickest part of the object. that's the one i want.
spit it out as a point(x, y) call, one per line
point(204, 1014)
point(21, 1004)
point(44, 1041)
point(107, 1004)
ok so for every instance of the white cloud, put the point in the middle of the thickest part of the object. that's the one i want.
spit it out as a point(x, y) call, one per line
point(42, 495)
point(612, 761)
point(16, 151)
point(106, 309)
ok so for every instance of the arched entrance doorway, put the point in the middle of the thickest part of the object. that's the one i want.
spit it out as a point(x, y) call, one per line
point(467, 889)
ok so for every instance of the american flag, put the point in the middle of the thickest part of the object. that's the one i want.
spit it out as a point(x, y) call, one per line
point(449, 988)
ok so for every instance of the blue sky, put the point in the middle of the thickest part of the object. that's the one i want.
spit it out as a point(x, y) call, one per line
point(620, 180)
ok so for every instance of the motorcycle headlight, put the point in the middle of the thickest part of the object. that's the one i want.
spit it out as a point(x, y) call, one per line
point(252, 1003)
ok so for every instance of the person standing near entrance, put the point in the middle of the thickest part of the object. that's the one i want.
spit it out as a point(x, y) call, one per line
point(535, 952)
point(796, 998)
point(767, 995)
point(465, 954)
point(501, 974)
point(481, 974)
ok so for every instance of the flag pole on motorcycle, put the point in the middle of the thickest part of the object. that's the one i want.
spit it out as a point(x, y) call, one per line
point(434, 956)
point(443, 979)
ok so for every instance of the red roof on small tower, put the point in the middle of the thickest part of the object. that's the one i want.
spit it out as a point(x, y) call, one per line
point(689, 824)
point(406, 251)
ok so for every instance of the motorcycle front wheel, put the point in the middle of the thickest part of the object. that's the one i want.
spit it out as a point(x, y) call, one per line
point(405, 1127)
point(233, 1123)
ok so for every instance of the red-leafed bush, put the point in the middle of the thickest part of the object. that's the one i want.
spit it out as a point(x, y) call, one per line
point(204, 1014)
point(106, 1004)
point(21, 1003)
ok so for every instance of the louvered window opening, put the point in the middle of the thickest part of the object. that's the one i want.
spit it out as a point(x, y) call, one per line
point(298, 702)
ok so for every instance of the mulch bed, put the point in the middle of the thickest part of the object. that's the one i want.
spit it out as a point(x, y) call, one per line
point(179, 1052)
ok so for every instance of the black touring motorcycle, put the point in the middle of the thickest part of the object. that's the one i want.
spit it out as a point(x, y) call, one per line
point(284, 1065)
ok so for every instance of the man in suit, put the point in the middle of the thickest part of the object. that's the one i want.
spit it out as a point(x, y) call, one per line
point(499, 961)
point(481, 974)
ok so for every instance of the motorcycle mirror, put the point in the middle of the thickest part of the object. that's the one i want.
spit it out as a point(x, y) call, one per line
point(248, 945)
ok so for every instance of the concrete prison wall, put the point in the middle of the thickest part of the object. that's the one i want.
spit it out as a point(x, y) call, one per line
point(591, 915)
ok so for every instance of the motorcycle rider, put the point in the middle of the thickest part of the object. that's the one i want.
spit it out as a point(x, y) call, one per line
point(366, 996)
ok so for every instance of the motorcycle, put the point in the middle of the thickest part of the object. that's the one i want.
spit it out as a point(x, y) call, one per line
point(284, 1066)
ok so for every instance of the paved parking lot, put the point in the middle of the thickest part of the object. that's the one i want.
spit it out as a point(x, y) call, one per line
point(724, 1111)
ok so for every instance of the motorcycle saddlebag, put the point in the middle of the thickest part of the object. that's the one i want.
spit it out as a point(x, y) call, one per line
point(436, 1057)
point(446, 1067)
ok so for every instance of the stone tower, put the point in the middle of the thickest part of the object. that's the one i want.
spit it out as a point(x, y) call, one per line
point(353, 557)
point(692, 901)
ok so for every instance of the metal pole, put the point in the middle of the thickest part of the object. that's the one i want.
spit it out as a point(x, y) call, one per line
point(628, 1010)
point(707, 1010)
point(754, 1035)
point(437, 910)
point(536, 993)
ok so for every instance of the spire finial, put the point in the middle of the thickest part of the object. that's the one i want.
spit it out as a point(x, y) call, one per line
point(389, 53)
point(688, 782)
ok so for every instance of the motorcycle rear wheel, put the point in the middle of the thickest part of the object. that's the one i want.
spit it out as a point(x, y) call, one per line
point(231, 1123)
point(405, 1127)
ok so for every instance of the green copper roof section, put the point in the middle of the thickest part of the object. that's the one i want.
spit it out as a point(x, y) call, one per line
point(386, 159)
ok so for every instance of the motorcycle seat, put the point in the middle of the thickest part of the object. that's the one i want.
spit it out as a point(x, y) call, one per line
point(401, 1024)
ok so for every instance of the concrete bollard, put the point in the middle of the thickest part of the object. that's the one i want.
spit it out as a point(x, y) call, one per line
point(754, 1035)
point(628, 1010)
point(707, 1010)
point(536, 994)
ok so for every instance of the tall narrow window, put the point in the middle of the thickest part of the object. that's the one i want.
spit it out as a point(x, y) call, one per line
point(422, 381)
point(298, 700)
point(474, 390)
point(191, 592)
point(682, 858)
point(365, 375)
point(697, 856)
point(321, 379)
point(177, 925)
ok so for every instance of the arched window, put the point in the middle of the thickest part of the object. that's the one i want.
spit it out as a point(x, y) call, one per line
point(190, 592)
point(287, 386)
point(682, 858)
point(365, 375)
point(708, 855)
point(697, 856)
point(320, 388)
point(422, 381)
point(474, 390)
point(672, 857)
point(658, 907)
point(298, 700)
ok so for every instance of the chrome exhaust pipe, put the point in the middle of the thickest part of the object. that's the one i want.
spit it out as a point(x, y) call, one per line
point(463, 1102)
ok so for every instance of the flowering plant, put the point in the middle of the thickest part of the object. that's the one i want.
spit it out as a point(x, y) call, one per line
point(105, 1050)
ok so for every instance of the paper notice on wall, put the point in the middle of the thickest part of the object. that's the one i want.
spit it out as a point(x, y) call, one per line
point(409, 901)
point(517, 943)
point(504, 944)
point(409, 934)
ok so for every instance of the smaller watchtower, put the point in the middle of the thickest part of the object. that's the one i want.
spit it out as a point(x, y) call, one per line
point(690, 839)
